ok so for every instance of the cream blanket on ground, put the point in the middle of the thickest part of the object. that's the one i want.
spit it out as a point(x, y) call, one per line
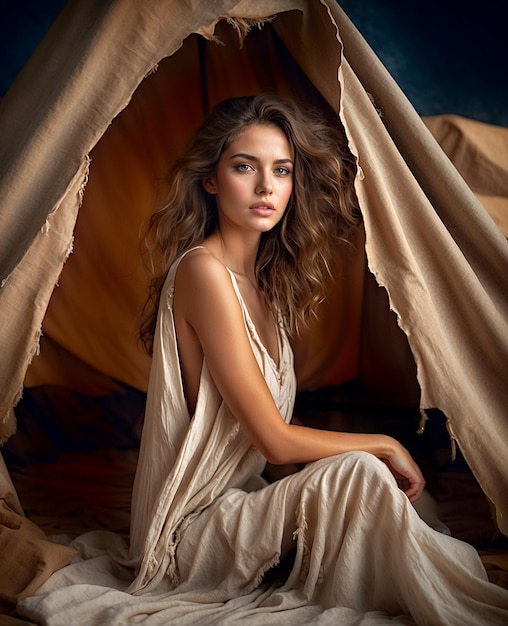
point(206, 528)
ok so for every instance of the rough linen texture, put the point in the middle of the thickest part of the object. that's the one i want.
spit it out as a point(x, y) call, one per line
point(206, 528)
point(428, 241)
point(182, 469)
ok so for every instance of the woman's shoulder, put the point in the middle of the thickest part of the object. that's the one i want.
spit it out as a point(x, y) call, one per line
point(200, 259)
point(204, 293)
point(202, 270)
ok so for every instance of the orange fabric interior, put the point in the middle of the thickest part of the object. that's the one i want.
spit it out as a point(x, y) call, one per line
point(90, 329)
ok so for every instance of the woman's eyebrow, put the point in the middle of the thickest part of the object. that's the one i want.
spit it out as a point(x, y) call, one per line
point(251, 157)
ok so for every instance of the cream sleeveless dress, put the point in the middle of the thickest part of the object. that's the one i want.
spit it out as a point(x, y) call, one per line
point(206, 528)
point(186, 463)
point(204, 518)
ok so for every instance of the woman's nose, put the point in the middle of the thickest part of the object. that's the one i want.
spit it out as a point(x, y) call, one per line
point(264, 186)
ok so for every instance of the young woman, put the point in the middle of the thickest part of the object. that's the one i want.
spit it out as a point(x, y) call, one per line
point(256, 204)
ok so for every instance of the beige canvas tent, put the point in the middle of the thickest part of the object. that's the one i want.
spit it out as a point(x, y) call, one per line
point(91, 125)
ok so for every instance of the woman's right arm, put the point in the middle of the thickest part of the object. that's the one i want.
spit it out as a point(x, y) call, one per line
point(205, 300)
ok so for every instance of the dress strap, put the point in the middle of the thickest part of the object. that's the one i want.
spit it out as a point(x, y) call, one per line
point(169, 285)
point(176, 263)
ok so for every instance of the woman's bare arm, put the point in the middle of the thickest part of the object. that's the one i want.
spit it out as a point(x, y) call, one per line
point(205, 299)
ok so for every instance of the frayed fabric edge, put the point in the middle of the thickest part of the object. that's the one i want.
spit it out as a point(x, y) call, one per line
point(243, 25)
point(453, 438)
point(258, 579)
point(35, 351)
point(424, 406)
point(299, 536)
point(45, 228)
point(10, 415)
point(84, 182)
point(172, 569)
point(424, 418)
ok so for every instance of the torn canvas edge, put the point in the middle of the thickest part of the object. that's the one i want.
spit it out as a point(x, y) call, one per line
point(32, 346)
point(360, 176)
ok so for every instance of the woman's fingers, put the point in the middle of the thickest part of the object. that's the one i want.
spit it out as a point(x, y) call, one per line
point(407, 474)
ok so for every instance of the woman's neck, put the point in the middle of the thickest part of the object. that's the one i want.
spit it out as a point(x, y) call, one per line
point(237, 253)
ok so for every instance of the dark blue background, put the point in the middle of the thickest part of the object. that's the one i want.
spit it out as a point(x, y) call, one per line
point(447, 56)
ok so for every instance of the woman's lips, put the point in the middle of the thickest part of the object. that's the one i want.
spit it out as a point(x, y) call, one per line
point(263, 209)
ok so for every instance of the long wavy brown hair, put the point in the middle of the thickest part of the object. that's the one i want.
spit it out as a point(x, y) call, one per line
point(294, 258)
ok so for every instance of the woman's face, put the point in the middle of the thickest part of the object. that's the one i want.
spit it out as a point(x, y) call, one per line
point(254, 179)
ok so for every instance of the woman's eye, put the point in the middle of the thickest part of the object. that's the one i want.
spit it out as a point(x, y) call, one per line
point(283, 171)
point(243, 167)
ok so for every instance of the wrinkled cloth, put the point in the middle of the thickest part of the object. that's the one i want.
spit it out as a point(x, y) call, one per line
point(91, 93)
point(185, 464)
point(206, 529)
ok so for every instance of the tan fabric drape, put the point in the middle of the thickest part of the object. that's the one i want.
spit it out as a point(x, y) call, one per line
point(89, 91)
point(479, 151)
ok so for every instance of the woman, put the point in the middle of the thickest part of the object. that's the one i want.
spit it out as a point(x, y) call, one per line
point(255, 207)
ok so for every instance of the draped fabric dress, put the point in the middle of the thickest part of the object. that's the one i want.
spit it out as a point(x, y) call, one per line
point(206, 528)
point(215, 530)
